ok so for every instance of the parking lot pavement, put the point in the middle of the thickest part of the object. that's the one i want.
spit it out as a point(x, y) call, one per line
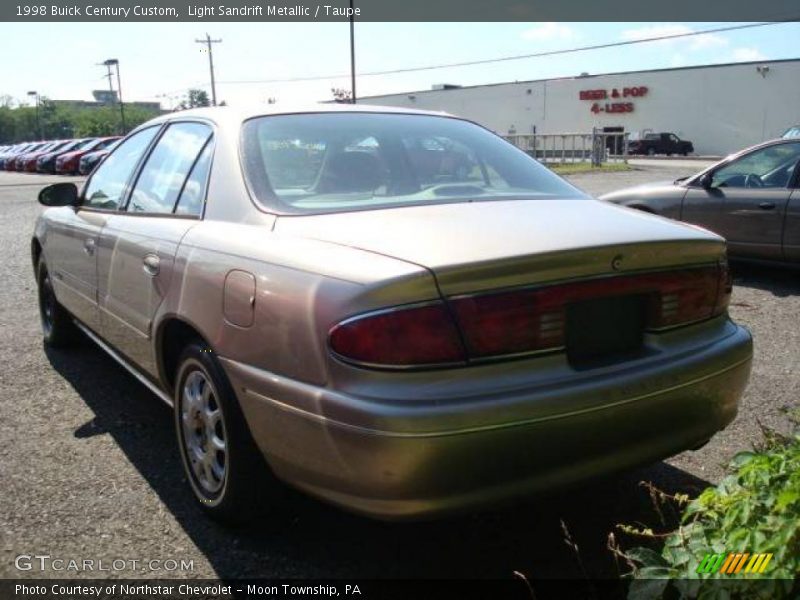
point(12, 179)
point(90, 468)
point(598, 183)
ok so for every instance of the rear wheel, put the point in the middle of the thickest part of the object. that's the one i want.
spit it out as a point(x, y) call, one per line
point(58, 330)
point(225, 468)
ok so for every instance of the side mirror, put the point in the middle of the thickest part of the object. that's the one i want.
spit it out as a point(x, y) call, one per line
point(706, 180)
point(59, 194)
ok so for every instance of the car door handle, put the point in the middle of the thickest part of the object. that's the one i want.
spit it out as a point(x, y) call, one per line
point(89, 246)
point(766, 205)
point(151, 264)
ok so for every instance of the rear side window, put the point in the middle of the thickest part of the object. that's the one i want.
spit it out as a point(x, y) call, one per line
point(108, 184)
point(167, 168)
point(194, 190)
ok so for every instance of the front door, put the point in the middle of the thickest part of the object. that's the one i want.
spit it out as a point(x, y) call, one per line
point(73, 245)
point(71, 257)
point(746, 201)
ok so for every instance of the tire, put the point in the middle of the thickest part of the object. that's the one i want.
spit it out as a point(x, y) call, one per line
point(234, 484)
point(58, 329)
point(651, 152)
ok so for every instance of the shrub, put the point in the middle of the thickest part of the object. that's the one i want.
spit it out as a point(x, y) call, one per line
point(756, 508)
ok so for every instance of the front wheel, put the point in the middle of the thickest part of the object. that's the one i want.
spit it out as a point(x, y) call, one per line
point(651, 152)
point(58, 330)
point(224, 466)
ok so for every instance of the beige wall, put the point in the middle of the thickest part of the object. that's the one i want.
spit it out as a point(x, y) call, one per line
point(721, 109)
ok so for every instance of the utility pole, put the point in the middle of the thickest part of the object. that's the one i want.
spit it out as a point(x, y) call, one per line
point(115, 63)
point(110, 76)
point(208, 41)
point(352, 54)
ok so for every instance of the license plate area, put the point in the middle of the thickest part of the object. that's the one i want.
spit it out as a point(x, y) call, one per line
point(605, 330)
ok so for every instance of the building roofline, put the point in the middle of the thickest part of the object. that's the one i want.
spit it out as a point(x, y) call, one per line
point(592, 76)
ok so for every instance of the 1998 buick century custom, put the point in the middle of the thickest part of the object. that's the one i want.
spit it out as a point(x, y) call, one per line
point(395, 311)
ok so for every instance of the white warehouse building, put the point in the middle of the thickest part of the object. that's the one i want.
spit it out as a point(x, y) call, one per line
point(720, 108)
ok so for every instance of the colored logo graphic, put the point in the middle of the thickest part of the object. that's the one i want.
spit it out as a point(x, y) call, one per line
point(734, 563)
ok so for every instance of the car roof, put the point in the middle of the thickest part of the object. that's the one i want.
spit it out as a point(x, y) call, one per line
point(242, 113)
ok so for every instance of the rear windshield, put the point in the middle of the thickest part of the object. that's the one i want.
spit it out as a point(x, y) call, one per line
point(325, 162)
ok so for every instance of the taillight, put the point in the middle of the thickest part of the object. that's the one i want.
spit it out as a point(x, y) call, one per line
point(522, 321)
point(511, 322)
point(414, 336)
point(724, 288)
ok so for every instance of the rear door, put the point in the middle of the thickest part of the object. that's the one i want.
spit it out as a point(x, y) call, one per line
point(747, 200)
point(73, 237)
point(136, 259)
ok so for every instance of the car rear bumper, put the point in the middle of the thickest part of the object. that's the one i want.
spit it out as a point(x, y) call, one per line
point(394, 462)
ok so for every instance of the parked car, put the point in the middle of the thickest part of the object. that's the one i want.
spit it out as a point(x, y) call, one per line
point(11, 152)
point(27, 162)
point(396, 342)
point(660, 143)
point(791, 133)
point(10, 163)
point(90, 160)
point(750, 198)
point(68, 162)
point(46, 163)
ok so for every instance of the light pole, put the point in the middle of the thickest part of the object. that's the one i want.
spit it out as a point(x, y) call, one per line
point(208, 41)
point(38, 121)
point(108, 63)
point(352, 54)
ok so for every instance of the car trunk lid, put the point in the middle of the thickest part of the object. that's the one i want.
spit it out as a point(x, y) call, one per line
point(479, 246)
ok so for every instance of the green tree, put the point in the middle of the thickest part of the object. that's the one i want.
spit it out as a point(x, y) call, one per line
point(195, 99)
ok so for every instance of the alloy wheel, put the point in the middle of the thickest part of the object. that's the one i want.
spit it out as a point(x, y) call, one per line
point(205, 439)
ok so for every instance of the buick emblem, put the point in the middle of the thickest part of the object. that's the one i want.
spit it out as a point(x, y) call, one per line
point(616, 262)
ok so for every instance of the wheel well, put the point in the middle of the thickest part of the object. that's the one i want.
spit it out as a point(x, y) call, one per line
point(175, 336)
point(36, 252)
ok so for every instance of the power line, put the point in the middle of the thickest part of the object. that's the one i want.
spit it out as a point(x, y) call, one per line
point(514, 57)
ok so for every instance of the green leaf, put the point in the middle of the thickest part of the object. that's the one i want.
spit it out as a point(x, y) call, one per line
point(647, 557)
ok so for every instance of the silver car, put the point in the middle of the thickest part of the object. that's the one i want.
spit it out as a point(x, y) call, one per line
point(751, 198)
point(393, 310)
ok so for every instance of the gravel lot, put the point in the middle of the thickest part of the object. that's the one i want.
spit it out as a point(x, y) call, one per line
point(91, 471)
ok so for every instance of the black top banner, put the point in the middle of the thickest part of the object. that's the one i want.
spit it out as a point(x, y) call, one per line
point(400, 10)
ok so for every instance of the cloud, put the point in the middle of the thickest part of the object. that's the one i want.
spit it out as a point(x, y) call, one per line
point(547, 32)
point(747, 54)
point(692, 44)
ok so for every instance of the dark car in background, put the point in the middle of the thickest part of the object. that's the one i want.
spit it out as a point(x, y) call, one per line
point(46, 163)
point(68, 163)
point(89, 161)
point(660, 143)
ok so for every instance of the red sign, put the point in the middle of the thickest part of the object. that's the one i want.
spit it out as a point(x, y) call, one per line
point(638, 91)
